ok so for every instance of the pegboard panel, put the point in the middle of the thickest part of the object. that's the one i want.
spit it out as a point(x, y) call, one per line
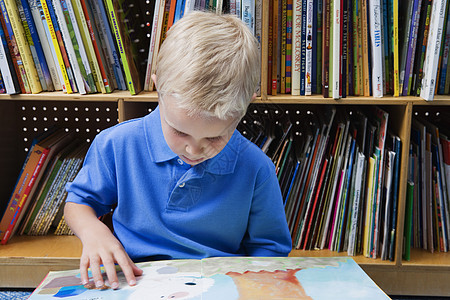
point(438, 115)
point(84, 119)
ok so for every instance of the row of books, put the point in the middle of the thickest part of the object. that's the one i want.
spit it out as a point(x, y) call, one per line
point(342, 48)
point(90, 46)
point(167, 12)
point(83, 46)
point(36, 203)
point(427, 219)
point(339, 175)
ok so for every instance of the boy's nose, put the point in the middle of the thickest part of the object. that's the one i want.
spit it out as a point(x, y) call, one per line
point(194, 149)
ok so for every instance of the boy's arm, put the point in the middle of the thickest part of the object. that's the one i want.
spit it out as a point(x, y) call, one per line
point(99, 247)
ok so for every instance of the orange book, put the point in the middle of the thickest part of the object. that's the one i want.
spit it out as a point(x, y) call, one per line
point(173, 4)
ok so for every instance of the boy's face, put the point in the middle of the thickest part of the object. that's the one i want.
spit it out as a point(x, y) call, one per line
point(193, 138)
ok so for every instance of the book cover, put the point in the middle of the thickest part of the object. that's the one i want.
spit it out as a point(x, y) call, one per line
point(309, 48)
point(227, 278)
point(408, 220)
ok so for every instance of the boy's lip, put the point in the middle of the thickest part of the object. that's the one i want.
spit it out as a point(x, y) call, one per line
point(192, 161)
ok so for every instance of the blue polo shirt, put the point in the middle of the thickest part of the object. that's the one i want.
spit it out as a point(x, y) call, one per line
point(228, 205)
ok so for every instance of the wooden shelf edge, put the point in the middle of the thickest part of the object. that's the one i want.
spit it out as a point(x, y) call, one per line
point(278, 99)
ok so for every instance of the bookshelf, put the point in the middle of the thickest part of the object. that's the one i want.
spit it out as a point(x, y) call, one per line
point(25, 260)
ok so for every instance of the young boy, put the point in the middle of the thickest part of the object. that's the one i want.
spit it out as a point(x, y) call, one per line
point(185, 182)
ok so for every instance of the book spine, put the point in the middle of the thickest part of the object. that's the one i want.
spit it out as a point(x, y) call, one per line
point(21, 186)
point(89, 47)
point(275, 16)
point(258, 34)
point(56, 46)
point(303, 49)
point(14, 50)
point(35, 9)
point(283, 30)
point(309, 49)
point(5, 66)
point(365, 50)
point(326, 48)
point(336, 49)
point(151, 48)
point(433, 49)
point(395, 53)
point(376, 49)
point(445, 54)
point(108, 44)
point(288, 46)
point(317, 88)
point(120, 46)
point(24, 48)
point(411, 48)
point(296, 46)
point(24, 197)
point(70, 44)
point(98, 55)
point(248, 14)
point(81, 42)
point(38, 47)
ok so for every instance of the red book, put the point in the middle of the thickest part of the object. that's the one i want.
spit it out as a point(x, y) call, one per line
point(326, 48)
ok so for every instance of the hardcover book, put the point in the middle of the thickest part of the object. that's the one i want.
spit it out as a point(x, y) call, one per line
point(226, 278)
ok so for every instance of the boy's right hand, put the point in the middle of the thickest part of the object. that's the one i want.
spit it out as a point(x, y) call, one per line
point(100, 247)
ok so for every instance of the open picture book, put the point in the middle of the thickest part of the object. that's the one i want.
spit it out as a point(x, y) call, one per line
point(226, 278)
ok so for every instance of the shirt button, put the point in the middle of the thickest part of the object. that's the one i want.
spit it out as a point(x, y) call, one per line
point(182, 185)
point(180, 161)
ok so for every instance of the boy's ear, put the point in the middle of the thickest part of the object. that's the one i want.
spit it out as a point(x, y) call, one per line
point(154, 78)
point(253, 97)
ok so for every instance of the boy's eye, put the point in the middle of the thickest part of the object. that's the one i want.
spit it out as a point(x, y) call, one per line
point(215, 139)
point(179, 133)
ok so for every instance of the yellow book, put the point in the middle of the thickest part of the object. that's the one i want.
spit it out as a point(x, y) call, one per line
point(395, 50)
point(95, 68)
point(369, 204)
point(365, 47)
point(24, 47)
point(66, 84)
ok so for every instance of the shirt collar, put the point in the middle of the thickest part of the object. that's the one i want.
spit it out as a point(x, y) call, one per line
point(222, 163)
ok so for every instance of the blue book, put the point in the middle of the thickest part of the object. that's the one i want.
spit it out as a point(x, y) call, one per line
point(179, 10)
point(37, 45)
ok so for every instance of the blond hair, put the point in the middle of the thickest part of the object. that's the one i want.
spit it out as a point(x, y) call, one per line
point(210, 63)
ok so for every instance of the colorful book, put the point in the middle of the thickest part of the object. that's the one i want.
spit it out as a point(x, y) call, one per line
point(8, 74)
point(52, 31)
point(296, 47)
point(47, 79)
point(376, 48)
point(23, 46)
point(71, 45)
point(433, 49)
point(14, 50)
point(89, 47)
point(125, 46)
